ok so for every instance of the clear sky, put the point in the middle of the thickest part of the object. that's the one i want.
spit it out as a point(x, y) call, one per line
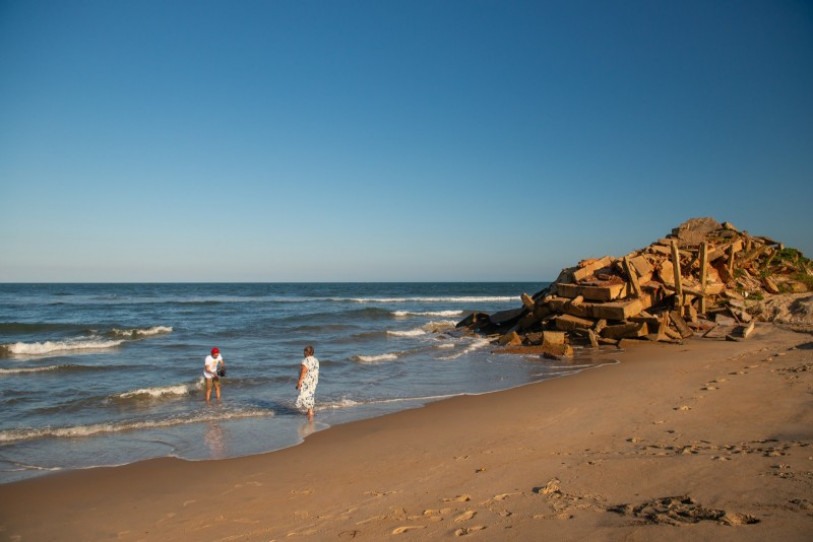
point(392, 140)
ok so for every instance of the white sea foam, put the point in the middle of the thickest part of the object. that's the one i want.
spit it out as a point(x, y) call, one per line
point(406, 399)
point(429, 327)
point(157, 392)
point(138, 333)
point(439, 314)
point(341, 403)
point(407, 333)
point(49, 347)
point(25, 467)
point(79, 431)
point(376, 359)
point(349, 403)
point(473, 346)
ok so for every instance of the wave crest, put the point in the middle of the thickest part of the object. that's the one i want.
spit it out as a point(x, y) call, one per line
point(407, 333)
point(115, 337)
point(439, 314)
point(429, 327)
point(139, 333)
point(49, 347)
point(376, 358)
point(160, 391)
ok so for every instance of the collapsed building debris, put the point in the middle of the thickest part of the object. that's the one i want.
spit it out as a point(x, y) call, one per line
point(695, 281)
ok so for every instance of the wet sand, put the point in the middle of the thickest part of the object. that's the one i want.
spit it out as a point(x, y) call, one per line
point(710, 440)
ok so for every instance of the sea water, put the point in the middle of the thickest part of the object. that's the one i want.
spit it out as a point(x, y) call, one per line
point(109, 374)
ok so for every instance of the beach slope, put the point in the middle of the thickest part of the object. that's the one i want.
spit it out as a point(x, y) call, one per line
point(709, 440)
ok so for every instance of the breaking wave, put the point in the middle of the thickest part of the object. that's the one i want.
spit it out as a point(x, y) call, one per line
point(161, 391)
point(115, 337)
point(439, 314)
point(407, 333)
point(50, 347)
point(141, 333)
point(376, 358)
point(429, 327)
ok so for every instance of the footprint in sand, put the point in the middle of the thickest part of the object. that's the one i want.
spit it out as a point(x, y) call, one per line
point(468, 530)
point(306, 532)
point(802, 505)
point(552, 487)
point(436, 515)
point(459, 498)
point(406, 528)
point(465, 516)
point(378, 493)
point(733, 518)
point(500, 497)
point(368, 520)
point(679, 510)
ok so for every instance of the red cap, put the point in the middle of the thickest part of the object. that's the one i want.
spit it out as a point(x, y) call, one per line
point(215, 351)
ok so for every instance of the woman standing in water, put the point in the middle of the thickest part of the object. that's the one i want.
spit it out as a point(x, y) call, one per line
point(308, 379)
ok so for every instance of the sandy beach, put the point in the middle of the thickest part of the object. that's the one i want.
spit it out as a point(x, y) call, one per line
point(709, 440)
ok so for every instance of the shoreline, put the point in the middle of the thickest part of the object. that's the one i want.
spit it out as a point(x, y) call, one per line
point(591, 455)
point(328, 415)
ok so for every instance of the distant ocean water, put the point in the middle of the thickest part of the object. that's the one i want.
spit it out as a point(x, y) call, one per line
point(109, 374)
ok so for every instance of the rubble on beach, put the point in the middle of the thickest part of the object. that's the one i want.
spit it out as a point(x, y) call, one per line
point(704, 278)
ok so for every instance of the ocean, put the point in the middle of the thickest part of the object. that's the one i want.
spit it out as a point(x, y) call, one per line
point(109, 374)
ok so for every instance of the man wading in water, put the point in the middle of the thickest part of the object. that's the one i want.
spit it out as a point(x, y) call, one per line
point(213, 368)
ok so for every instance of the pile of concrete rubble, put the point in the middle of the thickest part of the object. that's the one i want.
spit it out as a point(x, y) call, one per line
point(696, 281)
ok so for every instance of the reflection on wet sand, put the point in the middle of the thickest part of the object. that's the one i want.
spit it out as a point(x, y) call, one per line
point(215, 441)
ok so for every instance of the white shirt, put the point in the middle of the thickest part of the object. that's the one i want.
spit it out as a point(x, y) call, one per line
point(210, 366)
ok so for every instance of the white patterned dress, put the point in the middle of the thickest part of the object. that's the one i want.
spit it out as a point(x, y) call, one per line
point(308, 388)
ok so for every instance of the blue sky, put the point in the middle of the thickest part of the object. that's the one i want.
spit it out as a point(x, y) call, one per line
point(392, 140)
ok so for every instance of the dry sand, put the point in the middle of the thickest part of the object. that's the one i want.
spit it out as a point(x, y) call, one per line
point(711, 440)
